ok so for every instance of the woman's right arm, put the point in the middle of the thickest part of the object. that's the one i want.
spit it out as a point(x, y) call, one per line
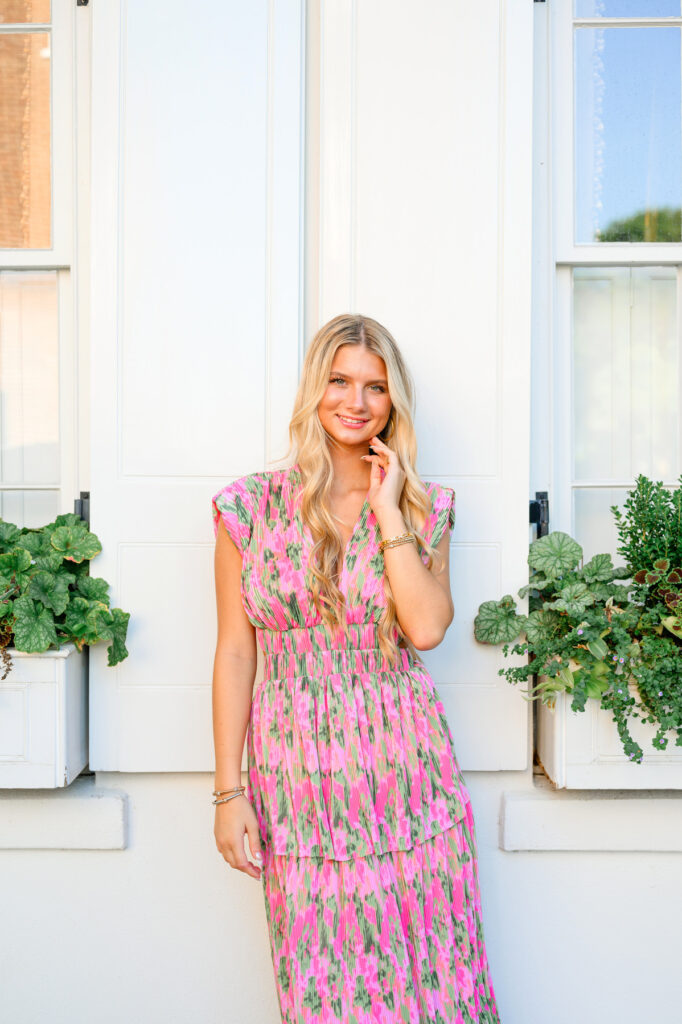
point(234, 671)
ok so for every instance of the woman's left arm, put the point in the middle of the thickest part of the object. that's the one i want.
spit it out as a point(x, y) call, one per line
point(422, 596)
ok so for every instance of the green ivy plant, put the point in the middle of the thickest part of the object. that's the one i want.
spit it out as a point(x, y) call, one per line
point(590, 635)
point(48, 598)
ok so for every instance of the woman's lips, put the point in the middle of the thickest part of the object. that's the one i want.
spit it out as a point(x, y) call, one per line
point(353, 424)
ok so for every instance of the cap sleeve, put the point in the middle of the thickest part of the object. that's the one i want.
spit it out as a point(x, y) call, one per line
point(235, 505)
point(442, 515)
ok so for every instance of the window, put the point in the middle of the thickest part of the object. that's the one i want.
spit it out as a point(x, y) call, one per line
point(608, 283)
point(39, 232)
point(44, 169)
point(616, 116)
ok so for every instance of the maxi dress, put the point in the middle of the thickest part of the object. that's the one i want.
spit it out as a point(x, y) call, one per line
point(370, 876)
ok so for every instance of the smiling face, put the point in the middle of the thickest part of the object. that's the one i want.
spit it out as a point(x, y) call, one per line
point(356, 404)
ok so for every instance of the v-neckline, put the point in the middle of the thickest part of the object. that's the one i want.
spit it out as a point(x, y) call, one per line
point(362, 516)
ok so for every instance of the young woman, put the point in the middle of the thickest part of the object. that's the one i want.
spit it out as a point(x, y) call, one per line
point(356, 810)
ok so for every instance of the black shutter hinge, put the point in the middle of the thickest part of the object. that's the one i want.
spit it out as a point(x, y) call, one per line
point(81, 506)
point(538, 512)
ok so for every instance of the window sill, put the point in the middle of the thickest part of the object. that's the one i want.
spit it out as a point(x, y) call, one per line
point(80, 817)
point(544, 818)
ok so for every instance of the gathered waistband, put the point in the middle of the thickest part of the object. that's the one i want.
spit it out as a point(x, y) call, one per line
point(310, 650)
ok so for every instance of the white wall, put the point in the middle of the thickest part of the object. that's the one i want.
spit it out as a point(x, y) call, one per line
point(165, 932)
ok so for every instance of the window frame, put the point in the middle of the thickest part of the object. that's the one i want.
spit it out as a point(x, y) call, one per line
point(68, 255)
point(62, 104)
point(566, 250)
point(555, 256)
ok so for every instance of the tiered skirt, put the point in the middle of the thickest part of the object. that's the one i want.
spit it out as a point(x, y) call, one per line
point(370, 873)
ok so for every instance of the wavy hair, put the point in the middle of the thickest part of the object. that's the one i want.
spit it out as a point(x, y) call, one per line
point(309, 447)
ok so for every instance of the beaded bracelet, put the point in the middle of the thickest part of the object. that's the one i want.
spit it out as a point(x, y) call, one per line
point(392, 542)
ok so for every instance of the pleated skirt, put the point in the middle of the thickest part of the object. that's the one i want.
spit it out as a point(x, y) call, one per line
point(390, 938)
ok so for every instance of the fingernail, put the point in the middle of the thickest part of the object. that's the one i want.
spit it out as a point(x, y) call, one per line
point(258, 856)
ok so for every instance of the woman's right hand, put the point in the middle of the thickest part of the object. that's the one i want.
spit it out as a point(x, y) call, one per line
point(232, 819)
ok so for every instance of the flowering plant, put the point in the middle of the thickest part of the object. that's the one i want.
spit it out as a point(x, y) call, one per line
point(592, 636)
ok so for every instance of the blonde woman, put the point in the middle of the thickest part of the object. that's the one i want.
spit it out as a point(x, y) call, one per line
point(356, 811)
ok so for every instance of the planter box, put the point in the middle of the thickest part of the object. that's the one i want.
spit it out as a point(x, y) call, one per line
point(43, 719)
point(582, 750)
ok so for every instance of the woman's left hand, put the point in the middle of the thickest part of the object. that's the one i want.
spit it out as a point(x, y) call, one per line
point(384, 493)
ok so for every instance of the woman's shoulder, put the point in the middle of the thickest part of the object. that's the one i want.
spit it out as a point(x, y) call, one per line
point(442, 513)
point(241, 502)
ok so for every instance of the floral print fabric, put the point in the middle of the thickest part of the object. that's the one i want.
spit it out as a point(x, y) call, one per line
point(364, 816)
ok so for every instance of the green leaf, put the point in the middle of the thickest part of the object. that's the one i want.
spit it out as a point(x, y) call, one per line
point(94, 588)
point(50, 561)
point(52, 591)
point(541, 625)
point(573, 599)
point(34, 628)
point(597, 648)
point(537, 582)
point(18, 560)
point(673, 625)
point(598, 569)
point(497, 621)
point(566, 676)
point(113, 625)
point(75, 543)
point(10, 535)
point(71, 519)
point(592, 688)
point(554, 554)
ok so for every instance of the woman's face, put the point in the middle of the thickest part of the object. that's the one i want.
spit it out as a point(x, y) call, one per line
point(356, 404)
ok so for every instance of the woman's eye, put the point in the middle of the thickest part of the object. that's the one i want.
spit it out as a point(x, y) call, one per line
point(339, 380)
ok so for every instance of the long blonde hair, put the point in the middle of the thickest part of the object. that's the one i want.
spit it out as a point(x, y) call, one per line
point(309, 447)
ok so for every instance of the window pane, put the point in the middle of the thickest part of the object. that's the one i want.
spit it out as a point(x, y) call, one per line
point(628, 141)
point(593, 524)
point(25, 171)
point(29, 508)
point(626, 372)
point(24, 11)
point(627, 8)
point(29, 383)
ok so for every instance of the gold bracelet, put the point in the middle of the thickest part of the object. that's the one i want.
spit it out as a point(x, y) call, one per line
point(402, 538)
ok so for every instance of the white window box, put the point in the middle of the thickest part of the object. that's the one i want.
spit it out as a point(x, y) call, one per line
point(582, 750)
point(43, 719)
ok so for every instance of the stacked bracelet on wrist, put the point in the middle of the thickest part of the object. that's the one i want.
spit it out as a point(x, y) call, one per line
point(235, 791)
point(393, 542)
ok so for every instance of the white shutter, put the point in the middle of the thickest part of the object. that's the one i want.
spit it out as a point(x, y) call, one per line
point(425, 224)
point(195, 334)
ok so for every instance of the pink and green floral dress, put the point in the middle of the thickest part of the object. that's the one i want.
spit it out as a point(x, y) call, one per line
point(370, 873)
